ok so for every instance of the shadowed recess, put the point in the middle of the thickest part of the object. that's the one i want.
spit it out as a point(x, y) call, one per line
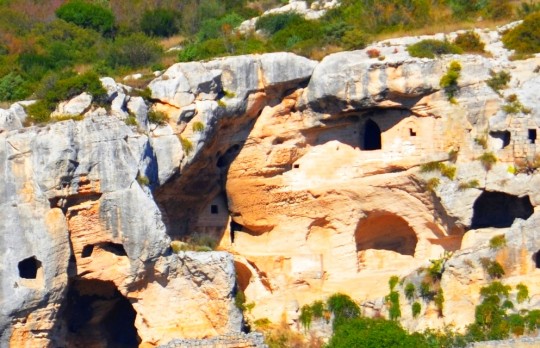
point(499, 210)
point(386, 232)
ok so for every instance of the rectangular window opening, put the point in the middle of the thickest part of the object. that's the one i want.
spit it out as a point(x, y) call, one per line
point(532, 136)
point(412, 133)
point(214, 209)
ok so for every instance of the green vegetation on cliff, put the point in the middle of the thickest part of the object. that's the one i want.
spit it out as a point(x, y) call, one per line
point(113, 37)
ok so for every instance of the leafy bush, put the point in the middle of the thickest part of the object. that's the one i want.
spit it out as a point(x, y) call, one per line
point(13, 87)
point(187, 145)
point(374, 333)
point(449, 80)
point(416, 309)
point(522, 293)
point(468, 185)
point(157, 117)
point(40, 111)
point(498, 80)
point(273, 23)
point(525, 38)
point(514, 106)
point(469, 42)
point(492, 267)
point(432, 184)
point(497, 242)
point(409, 291)
point(87, 15)
point(343, 308)
point(306, 316)
point(488, 159)
point(198, 126)
point(134, 51)
point(439, 301)
point(160, 22)
point(218, 27)
point(430, 48)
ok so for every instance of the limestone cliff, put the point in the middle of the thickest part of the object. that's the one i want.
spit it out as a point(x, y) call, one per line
point(315, 178)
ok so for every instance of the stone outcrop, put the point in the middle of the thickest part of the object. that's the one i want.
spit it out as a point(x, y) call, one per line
point(313, 178)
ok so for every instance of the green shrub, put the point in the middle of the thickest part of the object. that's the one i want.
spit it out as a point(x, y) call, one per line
point(469, 42)
point(416, 309)
point(426, 293)
point(343, 307)
point(430, 48)
point(432, 184)
point(482, 141)
point(131, 120)
point(525, 38)
point(514, 106)
point(13, 87)
point(522, 293)
point(497, 242)
point(468, 185)
point(488, 159)
point(317, 308)
point(498, 80)
point(198, 126)
point(374, 333)
point(450, 80)
point(306, 316)
point(157, 117)
point(439, 301)
point(430, 167)
point(87, 15)
point(187, 145)
point(393, 281)
point(448, 171)
point(273, 23)
point(160, 22)
point(218, 27)
point(143, 180)
point(492, 267)
point(410, 291)
point(133, 51)
point(526, 8)
point(40, 111)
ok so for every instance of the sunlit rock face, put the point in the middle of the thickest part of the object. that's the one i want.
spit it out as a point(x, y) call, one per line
point(312, 177)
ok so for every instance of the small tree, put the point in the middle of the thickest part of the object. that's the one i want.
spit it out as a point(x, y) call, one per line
point(87, 15)
point(160, 22)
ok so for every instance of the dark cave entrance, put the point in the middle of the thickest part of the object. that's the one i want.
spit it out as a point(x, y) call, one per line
point(386, 232)
point(499, 210)
point(536, 258)
point(372, 136)
point(97, 315)
point(28, 268)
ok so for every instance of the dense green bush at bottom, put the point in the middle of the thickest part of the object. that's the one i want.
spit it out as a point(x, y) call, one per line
point(221, 47)
point(374, 333)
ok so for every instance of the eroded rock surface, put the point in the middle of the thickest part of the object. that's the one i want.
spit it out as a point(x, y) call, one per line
point(313, 177)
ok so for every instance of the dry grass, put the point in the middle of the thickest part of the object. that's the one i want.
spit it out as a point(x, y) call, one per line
point(172, 41)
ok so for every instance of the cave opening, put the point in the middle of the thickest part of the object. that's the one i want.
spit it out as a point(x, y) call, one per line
point(97, 315)
point(536, 258)
point(28, 268)
point(499, 210)
point(372, 136)
point(503, 137)
point(532, 136)
point(386, 232)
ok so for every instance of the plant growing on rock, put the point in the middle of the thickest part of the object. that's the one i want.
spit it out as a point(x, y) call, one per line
point(499, 80)
point(416, 309)
point(392, 299)
point(488, 159)
point(524, 38)
point(468, 185)
point(343, 308)
point(431, 48)
point(198, 126)
point(187, 145)
point(492, 267)
point(157, 117)
point(497, 242)
point(306, 316)
point(432, 184)
point(449, 82)
point(439, 301)
point(522, 293)
point(514, 106)
point(469, 42)
point(410, 291)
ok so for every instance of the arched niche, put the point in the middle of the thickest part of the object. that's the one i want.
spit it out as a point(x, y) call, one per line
point(371, 136)
point(386, 232)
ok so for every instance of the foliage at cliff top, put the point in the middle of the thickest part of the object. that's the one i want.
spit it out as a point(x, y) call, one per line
point(116, 37)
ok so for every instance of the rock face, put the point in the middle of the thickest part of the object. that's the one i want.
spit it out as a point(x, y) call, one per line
point(314, 178)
